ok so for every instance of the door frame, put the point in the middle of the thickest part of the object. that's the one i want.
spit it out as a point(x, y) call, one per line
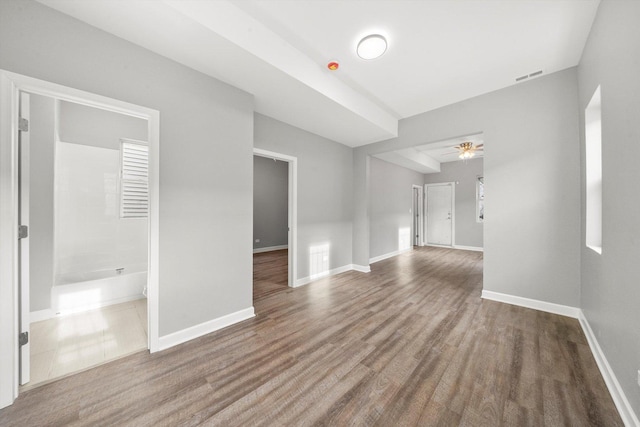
point(293, 209)
point(11, 84)
point(420, 206)
point(24, 166)
point(451, 184)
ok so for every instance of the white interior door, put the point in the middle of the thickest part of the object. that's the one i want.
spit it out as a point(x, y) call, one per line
point(440, 214)
point(23, 206)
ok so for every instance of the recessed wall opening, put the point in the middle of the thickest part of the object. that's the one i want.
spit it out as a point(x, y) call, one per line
point(274, 222)
point(436, 171)
point(270, 225)
point(593, 150)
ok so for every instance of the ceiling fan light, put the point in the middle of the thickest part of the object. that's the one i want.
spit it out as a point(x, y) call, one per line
point(372, 46)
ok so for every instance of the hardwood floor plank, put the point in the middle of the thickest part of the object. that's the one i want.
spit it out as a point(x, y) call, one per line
point(411, 343)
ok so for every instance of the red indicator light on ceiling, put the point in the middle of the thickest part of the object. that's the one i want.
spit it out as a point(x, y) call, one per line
point(333, 65)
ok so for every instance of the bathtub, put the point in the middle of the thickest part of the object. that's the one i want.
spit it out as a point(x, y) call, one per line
point(75, 292)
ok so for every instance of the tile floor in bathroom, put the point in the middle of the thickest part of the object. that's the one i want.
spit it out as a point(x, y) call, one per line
point(78, 341)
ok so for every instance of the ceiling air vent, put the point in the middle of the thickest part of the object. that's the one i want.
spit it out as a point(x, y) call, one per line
point(526, 76)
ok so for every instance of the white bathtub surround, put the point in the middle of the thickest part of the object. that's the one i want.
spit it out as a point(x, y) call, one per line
point(92, 241)
point(89, 233)
point(77, 292)
point(67, 344)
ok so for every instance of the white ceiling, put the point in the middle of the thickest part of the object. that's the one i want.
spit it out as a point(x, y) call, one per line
point(440, 51)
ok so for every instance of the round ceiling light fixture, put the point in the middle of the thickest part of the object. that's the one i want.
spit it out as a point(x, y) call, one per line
point(372, 46)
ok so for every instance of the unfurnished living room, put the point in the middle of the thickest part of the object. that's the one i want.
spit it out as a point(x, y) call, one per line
point(272, 212)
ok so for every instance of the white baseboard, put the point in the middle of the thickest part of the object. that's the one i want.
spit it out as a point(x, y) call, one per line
point(348, 267)
point(549, 307)
point(625, 409)
point(389, 255)
point(196, 331)
point(361, 268)
point(468, 248)
point(270, 248)
point(40, 315)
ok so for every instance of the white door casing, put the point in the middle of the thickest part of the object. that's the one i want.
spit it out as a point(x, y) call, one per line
point(440, 214)
point(23, 208)
point(417, 212)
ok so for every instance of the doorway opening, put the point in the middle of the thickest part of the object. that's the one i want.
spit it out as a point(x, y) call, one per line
point(417, 211)
point(274, 222)
point(84, 171)
point(79, 231)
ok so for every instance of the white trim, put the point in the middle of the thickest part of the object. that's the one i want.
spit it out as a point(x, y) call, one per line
point(333, 272)
point(207, 327)
point(361, 268)
point(420, 203)
point(9, 301)
point(549, 307)
point(40, 315)
point(388, 255)
point(469, 248)
point(270, 248)
point(293, 208)
point(439, 246)
point(10, 86)
point(617, 393)
point(24, 160)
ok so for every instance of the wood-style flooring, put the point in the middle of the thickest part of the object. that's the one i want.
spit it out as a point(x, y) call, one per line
point(411, 343)
point(270, 273)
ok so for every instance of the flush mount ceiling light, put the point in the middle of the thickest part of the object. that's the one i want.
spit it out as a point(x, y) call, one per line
point(372, 46)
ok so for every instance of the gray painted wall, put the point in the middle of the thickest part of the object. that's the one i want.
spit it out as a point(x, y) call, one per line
point(206, 152)
point(80, 124)
point(391, 203)
point(610, 292)
point(270, 202)
point(325, 188)
point(468, 230)
point(532, 229)
point(41, 138)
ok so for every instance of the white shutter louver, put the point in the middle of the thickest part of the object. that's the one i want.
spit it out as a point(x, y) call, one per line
point(134, 200)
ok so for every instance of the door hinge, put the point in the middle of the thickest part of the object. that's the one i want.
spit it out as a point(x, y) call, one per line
point(23, 125)
point(23, 231)
point(23, 338)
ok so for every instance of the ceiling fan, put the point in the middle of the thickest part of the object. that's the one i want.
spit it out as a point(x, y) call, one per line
point(467, 150)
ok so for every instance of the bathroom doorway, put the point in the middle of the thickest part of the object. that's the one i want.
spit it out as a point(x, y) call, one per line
point(84, 197)
point(16, 313)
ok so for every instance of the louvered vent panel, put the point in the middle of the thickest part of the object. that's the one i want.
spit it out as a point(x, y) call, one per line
point(134, 201)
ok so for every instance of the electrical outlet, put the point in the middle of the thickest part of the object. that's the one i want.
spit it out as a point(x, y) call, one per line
point(257, 240)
